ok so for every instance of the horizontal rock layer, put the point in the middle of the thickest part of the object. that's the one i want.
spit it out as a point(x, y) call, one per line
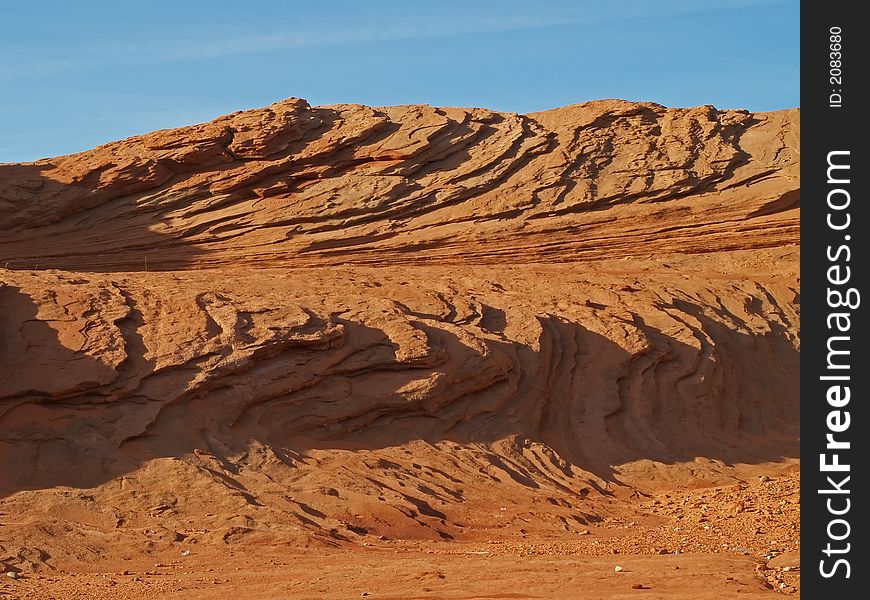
point(292, 185)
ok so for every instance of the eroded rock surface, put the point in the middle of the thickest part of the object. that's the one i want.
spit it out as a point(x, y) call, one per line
point(292, 185)
point(334, 325)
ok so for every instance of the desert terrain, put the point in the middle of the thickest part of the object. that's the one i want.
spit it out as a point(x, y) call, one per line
point(405, 352)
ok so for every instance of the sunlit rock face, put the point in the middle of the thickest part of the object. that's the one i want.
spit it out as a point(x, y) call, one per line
point(323, 324)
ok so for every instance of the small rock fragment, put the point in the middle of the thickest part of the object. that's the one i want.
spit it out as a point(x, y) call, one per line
point(617, 568)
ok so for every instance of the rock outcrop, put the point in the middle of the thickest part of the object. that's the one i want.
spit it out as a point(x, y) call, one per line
point(292, 185)
point(323, 324)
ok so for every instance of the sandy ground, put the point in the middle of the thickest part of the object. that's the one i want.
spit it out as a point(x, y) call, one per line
point(708, 543)
point(404, 575)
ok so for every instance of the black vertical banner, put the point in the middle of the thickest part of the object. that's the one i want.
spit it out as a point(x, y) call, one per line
point(834, 264)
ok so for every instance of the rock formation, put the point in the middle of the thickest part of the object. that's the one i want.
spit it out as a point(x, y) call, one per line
point(328, 324)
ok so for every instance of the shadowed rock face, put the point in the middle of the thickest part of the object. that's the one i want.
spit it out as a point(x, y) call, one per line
point(317, 323)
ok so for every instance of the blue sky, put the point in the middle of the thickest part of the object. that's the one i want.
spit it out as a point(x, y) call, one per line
point(77, 74)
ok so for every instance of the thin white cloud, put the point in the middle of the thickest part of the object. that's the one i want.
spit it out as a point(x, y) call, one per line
point(18, 62)
point(286, 40)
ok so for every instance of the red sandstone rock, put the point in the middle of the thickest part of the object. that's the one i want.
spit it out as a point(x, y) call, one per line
point(345, 325)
